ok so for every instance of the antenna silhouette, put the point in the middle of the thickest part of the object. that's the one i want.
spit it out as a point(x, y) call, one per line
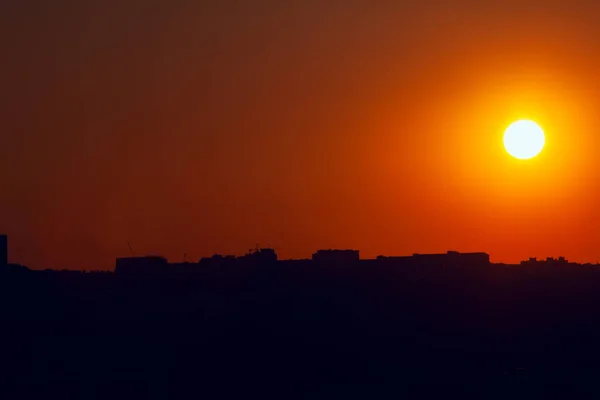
point(131, 249)
point(257, 248)
point(254, 250)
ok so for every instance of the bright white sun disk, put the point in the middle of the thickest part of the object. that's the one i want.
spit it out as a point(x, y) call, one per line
point(524, 139)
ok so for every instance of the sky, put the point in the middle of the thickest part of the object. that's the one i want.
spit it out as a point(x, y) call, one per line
point(188, 128)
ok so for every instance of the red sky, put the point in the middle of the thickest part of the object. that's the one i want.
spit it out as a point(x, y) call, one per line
point(207, 127)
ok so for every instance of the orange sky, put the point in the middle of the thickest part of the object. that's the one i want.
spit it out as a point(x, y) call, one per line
point(203, 127)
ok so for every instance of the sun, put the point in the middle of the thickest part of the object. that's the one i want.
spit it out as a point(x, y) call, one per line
point(524, 139)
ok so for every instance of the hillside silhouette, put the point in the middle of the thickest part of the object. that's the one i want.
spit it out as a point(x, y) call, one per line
point(333, 326)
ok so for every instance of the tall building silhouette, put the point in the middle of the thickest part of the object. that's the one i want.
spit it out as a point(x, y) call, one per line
point(3, 250)
point(336, 256)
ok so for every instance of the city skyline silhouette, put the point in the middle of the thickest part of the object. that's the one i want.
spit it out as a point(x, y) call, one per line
point(327, 255)
point(333, 325)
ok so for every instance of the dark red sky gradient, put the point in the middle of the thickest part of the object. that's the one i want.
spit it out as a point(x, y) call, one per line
point(208, 126)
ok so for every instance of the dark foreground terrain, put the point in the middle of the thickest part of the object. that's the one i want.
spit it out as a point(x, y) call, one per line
point(310, 333)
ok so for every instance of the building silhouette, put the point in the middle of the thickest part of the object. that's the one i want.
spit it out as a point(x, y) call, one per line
point(141, 265)
point(548, 262)
point(323, 258)
point(442, 260)
point(217, 260)
point(336, 256)
point(452, 259)
point(260, 256)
